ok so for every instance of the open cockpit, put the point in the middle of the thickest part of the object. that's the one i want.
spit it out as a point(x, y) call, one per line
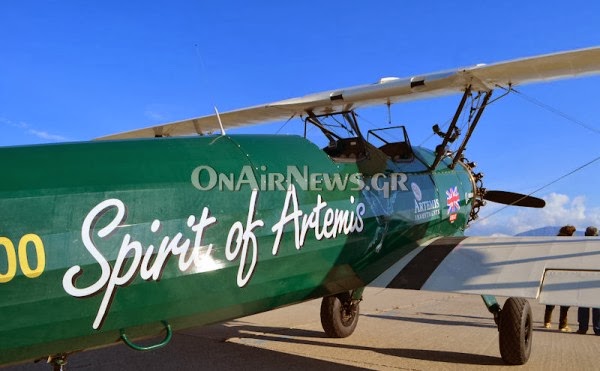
point(346, 143)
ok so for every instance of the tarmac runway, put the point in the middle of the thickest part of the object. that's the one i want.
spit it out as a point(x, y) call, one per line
point(397, 330)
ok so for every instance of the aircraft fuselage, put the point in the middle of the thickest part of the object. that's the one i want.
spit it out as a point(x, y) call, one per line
point(100, 237)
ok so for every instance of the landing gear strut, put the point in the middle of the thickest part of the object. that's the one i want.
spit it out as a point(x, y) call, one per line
point(339, 313)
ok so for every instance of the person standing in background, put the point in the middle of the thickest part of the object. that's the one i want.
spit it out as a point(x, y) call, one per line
point(583, 314)
point(563, 324)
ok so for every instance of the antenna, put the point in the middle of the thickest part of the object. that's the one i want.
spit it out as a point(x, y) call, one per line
point(219, 118)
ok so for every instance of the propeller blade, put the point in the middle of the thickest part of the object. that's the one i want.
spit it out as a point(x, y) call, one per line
point(513, 199)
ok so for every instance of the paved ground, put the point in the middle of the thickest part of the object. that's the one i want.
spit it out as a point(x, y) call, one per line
point(398, 329)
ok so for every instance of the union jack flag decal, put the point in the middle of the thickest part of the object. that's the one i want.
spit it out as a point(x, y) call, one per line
point(452, 200)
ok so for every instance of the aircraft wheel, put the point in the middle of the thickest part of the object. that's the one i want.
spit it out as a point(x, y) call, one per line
point(515, 330)
point(339, 315)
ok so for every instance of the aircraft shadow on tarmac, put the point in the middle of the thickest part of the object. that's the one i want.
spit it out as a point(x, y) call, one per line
point(538, 325)
point(241, 345)
point(260, 335)
point(419, 354)
point(433, 321)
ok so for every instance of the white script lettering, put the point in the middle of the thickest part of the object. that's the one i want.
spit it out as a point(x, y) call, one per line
point(114, 277)
point(334, 221)
point(244, 237)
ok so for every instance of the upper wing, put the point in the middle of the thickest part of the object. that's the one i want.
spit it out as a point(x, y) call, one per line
point(556, 270)
point(390, 90)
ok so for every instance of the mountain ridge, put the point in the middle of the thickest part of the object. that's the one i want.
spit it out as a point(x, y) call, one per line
point(546, 231)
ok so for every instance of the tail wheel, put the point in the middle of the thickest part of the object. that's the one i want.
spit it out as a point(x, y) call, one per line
point(339, 315)
point(516, 331)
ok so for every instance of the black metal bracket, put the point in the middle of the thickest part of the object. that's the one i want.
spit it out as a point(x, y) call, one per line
point(453, 131)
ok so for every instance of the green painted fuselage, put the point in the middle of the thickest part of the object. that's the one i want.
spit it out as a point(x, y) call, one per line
point(102, 236)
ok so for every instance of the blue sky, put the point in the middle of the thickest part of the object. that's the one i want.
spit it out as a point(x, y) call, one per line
point(74, 70)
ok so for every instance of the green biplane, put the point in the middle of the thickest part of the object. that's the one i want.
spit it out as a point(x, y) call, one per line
point(142, 233)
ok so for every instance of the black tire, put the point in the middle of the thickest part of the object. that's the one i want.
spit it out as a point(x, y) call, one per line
point(339, 315)
point(516, 331)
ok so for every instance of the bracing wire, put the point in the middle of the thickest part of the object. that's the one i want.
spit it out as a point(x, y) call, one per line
point(566, 117)
point(556, 111)
point(283, 125)
point(545, 186)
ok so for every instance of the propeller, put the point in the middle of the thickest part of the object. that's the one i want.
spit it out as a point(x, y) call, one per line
point(513, 199)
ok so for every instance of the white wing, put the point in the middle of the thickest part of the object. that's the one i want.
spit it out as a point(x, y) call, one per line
point(555, 270)
point(390, 90)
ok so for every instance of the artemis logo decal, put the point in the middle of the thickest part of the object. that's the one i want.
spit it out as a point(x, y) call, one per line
point(426, 209)
point(133, 259)
point(416, 191)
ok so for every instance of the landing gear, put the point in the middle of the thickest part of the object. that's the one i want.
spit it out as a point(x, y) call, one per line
point(514, 327)
point(516, 331)
point(339, 314)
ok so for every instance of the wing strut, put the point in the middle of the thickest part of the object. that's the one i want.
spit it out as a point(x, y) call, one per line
point(472, 126)
point(452, 133)
point(478, 104)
